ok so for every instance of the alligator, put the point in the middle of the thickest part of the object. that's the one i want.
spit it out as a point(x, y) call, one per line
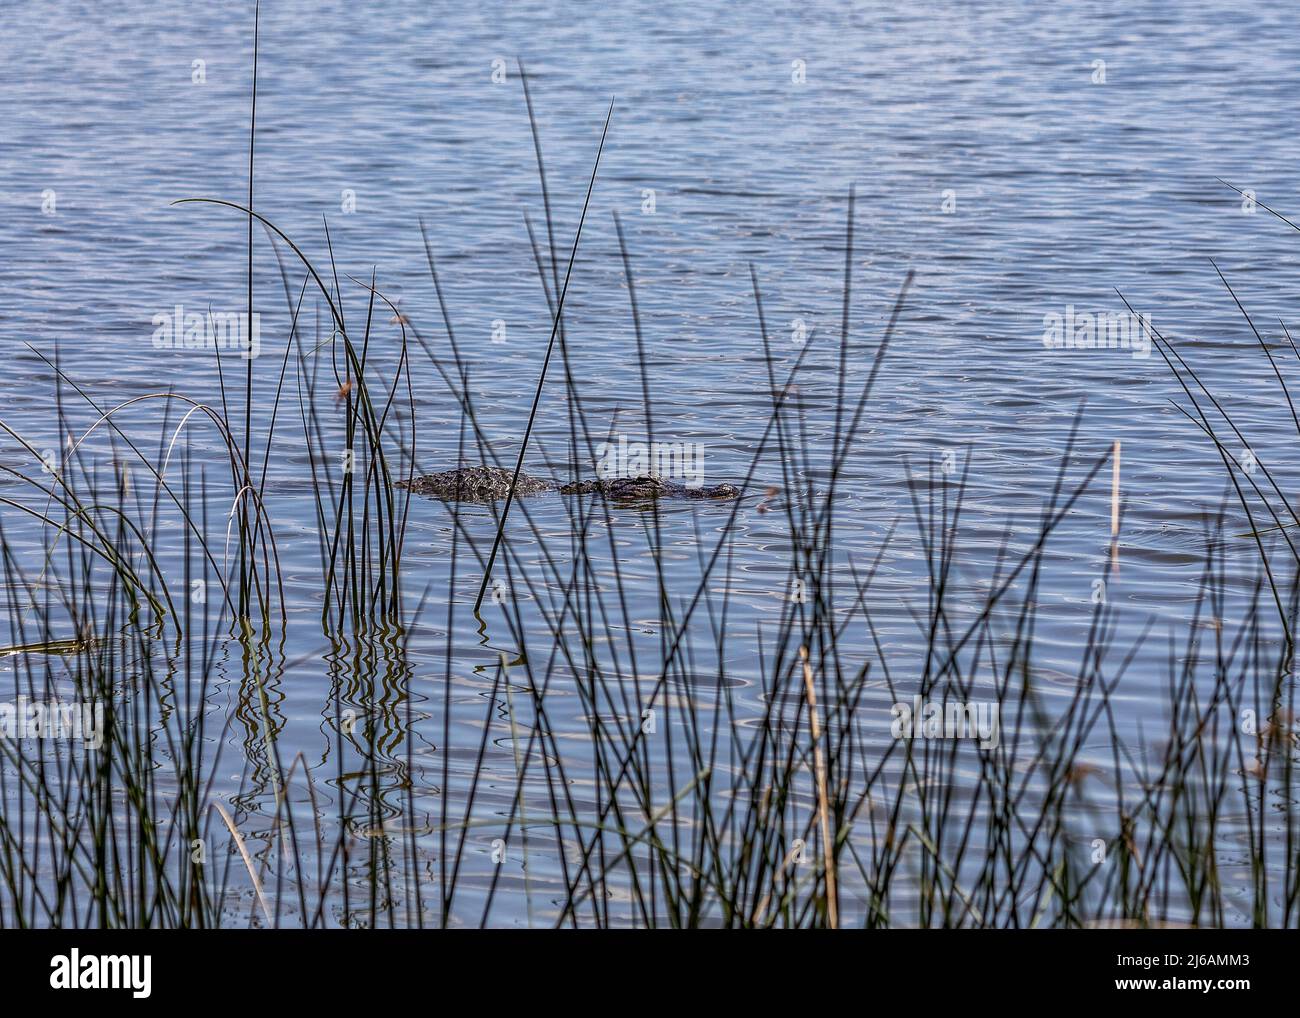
point(489, 484)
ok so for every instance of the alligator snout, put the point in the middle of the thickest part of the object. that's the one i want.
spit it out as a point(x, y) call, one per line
point(648, 486)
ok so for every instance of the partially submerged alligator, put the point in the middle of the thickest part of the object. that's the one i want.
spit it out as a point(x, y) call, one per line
point(488, 484)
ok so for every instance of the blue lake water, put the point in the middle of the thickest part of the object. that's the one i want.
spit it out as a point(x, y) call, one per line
point(1022, 160)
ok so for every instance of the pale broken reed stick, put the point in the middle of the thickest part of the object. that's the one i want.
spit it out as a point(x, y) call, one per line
point(1114, 492)
point(248, 862)
point(819, 765)
point(541, 381)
